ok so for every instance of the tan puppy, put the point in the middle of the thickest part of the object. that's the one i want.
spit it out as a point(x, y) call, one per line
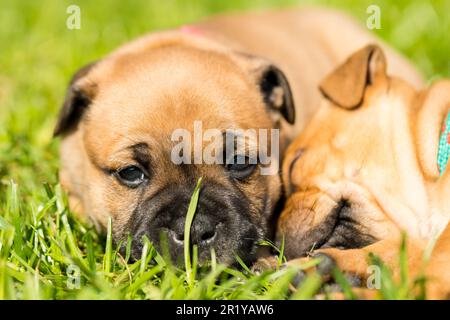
point(365, 169)
point(120, 113)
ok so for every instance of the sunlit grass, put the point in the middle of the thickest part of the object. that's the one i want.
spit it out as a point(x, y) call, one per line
point(46, 254)
point(43, 247)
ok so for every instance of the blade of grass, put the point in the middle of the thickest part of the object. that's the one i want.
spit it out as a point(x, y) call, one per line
point(213, 260)
point(187, 231)
point(73, 247)
point(281, 257)
point(242, 264)
point(308, 288)
point(343, 283)
point(280, 284)
point(90, 252)
point(404, 282)
point(194, 261)
point(128, 248)
point(108, 250)
point(144, 254)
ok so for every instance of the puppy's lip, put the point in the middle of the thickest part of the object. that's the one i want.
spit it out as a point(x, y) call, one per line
point(336, 215)
point(335, 218)
point(346, 231)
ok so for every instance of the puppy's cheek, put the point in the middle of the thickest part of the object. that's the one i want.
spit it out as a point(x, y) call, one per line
point(248, 244)
point(299, 214)
point(251, 225)
point(274, 189)
point(238, 241)
point(262, 197)
point(264, 193)
point(240, 234)
point(300, 221)
point(117, 203)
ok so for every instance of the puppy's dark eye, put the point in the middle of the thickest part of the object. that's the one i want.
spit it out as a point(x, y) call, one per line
point(132, 176)
point(240, 167)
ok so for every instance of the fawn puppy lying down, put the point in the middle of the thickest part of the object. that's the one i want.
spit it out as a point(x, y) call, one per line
point(370, 165)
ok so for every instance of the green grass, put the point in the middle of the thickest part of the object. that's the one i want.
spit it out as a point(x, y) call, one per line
point(43, 251)
point(41, 243)
point(188, 260)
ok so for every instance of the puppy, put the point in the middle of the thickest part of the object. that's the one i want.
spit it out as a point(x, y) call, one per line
point(120, 114)
point(365, 170)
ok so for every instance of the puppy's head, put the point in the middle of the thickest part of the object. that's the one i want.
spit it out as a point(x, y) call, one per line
point(120, 125)
point(365, 167)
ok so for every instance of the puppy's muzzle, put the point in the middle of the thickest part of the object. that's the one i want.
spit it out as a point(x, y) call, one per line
point(322, 225)
point(205, 228)
point(203, 231)
point(218, 224)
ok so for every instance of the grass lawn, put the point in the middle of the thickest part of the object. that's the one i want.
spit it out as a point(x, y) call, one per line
point(43, 247)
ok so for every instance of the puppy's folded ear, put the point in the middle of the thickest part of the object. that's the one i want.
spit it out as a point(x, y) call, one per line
point(346, 85)
point(78, 97)
point(277, 93)
point(431, 125)
point(274, 87)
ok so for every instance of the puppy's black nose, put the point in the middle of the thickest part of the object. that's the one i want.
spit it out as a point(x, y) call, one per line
point(203, 231)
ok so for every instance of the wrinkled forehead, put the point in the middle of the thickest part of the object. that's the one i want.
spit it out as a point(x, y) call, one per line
point(170, 90)
point(371, 136)
point(384, 111)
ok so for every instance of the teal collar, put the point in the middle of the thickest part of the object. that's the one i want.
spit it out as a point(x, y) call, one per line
point(444, 146)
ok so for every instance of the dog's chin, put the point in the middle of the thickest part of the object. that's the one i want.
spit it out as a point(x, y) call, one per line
point(340, 230)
